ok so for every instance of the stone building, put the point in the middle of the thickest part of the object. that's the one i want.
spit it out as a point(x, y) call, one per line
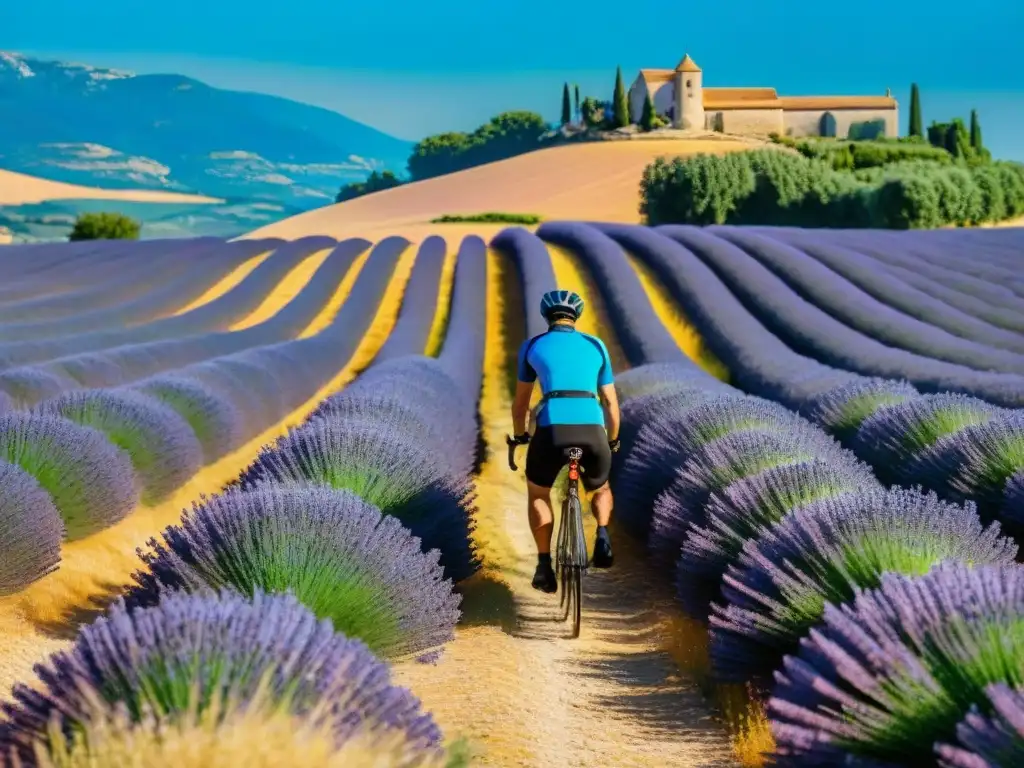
point(680, 96)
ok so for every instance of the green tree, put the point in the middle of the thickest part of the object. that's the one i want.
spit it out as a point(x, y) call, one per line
point(566, 105)
point(592, 112)
point(976, 143)
point(105, 226)
point(915, 112)
point(375, 182)
point(576, 88)
point(647, 116)
point(620, 104)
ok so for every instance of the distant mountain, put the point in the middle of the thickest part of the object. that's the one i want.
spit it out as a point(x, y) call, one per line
point(103, 127)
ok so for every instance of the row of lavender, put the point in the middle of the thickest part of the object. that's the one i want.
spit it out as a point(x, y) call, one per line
point(354, 514)
point(81, 461)
point(875, 621)
point(915, 419)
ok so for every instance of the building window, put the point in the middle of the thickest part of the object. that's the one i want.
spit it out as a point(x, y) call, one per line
point(688, 83)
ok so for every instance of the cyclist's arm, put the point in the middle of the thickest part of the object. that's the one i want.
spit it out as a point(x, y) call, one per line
point(521, 406)
point(609, 397)
point(527, 377)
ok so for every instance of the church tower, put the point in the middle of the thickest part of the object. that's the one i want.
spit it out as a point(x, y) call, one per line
point(689, 95)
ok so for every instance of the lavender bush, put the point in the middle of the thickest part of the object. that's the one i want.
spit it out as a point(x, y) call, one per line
point(335, 552)
point(841, 410)
point(397, 473)
point(419, 303)
point(89, 479)
point(886, 677)
point(720, 462)
point(174, 658)
point(993, 741)
point(30, 530)
point(162, 447)
point(1013, 498)
point(894, 435)
point(462, 353)
point(743, 511)
point(532, 261)
point(826, 551)
point(977, 462)
point(214, 420)
point(27, 386)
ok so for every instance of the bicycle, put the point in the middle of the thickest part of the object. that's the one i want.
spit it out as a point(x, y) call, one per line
point(571, 558)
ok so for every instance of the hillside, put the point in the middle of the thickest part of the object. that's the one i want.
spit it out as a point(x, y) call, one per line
point(94, 126)
point(597, 181)
point(22, 189)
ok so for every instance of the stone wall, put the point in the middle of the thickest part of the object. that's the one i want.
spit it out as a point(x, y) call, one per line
point(808, 122)
point(662, 94)
point(759, 122)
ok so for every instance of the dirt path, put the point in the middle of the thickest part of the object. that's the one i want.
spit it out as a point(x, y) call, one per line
point(513, 682)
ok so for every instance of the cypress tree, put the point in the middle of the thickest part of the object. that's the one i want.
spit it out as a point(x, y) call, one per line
point(647, 118)
point(566, 105)
point(576, 88)
point(620, 104)
point(915, 111)
point(976, 143)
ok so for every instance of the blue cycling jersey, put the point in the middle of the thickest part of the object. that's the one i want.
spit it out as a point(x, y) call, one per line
point(566, 359)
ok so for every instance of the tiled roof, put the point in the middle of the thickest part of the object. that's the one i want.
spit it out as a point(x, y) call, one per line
point(838, 102)
point(657, 75)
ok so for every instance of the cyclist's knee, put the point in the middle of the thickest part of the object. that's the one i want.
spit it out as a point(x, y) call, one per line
point(537, 491)
point(604, 489)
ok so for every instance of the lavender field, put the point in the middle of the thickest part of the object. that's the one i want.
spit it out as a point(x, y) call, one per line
point(265, 479)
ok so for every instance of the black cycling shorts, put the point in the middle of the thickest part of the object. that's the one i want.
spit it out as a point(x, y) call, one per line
point(546, 454)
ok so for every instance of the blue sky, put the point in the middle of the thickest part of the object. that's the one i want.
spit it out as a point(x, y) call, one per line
point(414, 68)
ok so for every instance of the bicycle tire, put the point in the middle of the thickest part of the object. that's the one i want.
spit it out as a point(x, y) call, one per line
point(572, 561)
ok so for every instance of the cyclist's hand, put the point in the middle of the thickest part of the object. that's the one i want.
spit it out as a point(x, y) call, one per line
point(522, 439)
point(615, 445)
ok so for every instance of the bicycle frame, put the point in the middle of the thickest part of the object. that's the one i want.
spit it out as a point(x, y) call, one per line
point(571, 559)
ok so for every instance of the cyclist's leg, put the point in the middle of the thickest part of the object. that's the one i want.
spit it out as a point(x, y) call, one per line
point(543, 463)
point(597, 465)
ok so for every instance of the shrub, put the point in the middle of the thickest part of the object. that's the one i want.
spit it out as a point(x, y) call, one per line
point(505, 135)
point(30, 530)
point(216, 422)
point(853, 184)
point(893, 436)
point(162, 447)
point(718, 463)
point(332, 550)
point(743, 511)
point(491, 217)
point(886, 677)
point(254, 733)
point(824, 553)
point(89, 480)
point(104, 226)
point(841, 410)
point(375, 182)
point(172, 659)
point(396, 473)
point(992, 741)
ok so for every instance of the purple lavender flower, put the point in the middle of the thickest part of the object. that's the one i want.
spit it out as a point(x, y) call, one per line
point(89, 479)
point(886, 677)
point(340, 557)
point(989, 741)
point(720, 462)
point(892, 436)
point(841, 410)
point(382, 464)
point(216, 422)
point(6, 403)
point(30, 530)
point(826, 551)
point(27, 386)
point(163, 448)
point(1013, 499)
point(744, 510)
point(177, 654)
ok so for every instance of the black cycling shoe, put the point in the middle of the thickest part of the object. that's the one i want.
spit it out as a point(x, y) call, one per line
point(603, 557)
point(544, 578)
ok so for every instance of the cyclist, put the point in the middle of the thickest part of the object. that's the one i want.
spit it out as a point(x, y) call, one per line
point(575, 375)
